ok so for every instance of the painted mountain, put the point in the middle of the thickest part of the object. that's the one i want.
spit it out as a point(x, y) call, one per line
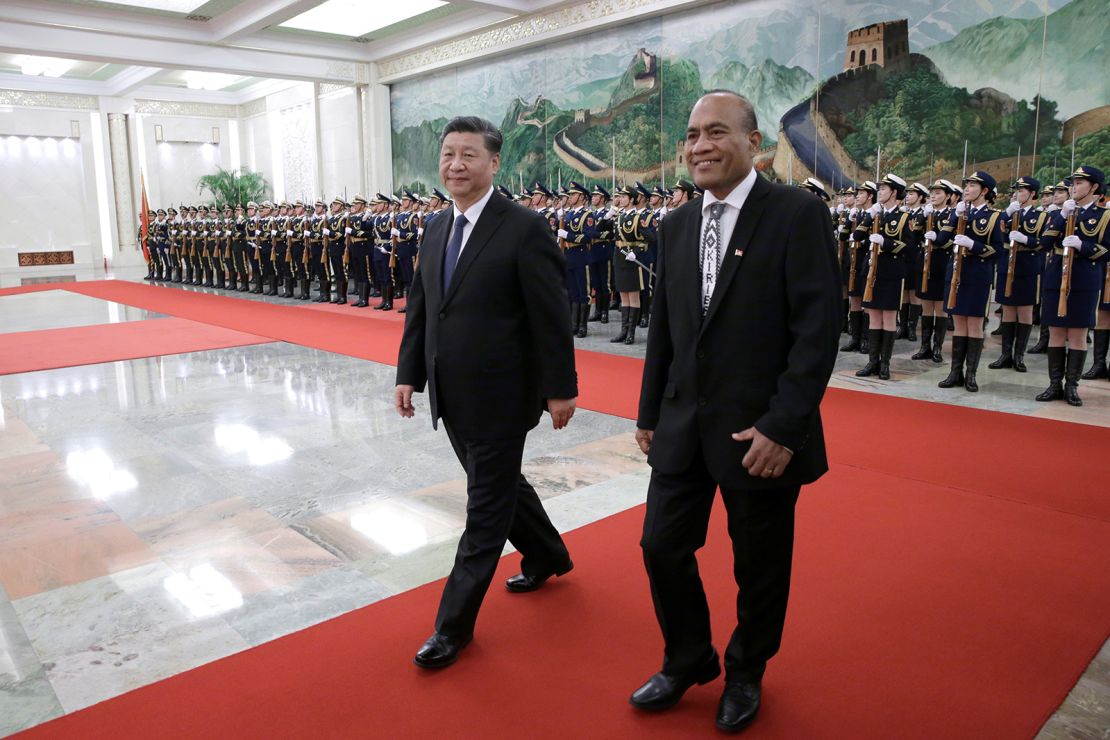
point(772, 88)
point(1005, 53)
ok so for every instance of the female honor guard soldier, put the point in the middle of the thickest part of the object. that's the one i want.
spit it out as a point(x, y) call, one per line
point(974, 251)
point(843, 223)
point(628, 263)
point(1088, 247)
point(1018, 292)
point(929, 289)
point(885, 271)
point(856, 257)
point(1060, 193)
point(917, 195)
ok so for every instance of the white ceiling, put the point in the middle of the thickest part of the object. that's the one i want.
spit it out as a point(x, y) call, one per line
point(154, 48)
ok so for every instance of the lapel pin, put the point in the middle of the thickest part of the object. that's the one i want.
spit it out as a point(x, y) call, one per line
point(739, 252)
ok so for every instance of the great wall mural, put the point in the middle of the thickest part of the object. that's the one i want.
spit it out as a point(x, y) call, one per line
point(911, 87)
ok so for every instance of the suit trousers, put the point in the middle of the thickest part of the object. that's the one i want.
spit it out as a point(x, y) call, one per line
point(500, 505)
point(761, 526)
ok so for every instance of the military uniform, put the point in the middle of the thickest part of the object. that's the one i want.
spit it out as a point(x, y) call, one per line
point(404, 228)
point(856, 276)
point(318, 256)
point(239, 251)
point(382, 251)
point(360, 233)
point(601, 255)
point(334, 239)
point(177, 238)
point(575, 231)
point(634, 228)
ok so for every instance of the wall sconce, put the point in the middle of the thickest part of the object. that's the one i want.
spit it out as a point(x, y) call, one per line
point(215, 134)
point(158, 133)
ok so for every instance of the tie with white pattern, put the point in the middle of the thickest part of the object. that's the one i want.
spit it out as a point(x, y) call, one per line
point(710, 254)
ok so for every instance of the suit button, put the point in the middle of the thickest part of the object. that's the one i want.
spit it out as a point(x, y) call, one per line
point(442, 315)
point(702, 402)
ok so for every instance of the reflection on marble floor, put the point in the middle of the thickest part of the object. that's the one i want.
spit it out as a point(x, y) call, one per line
point(161, 513)
point(55, 309)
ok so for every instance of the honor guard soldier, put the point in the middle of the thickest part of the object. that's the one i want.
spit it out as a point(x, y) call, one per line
point(649, 224)
point(226, 274)
point(279, 248)
point(1015, 282)
point(974, 230)
point(576, 230)
point(843, 223)
point(815, 186)
point(360, 234)
point(382, 246)
point(437, 202)
point(630, 260)
point(891, 235)
point(929, 272)
point(176, 240)
point(239, 251)
point(215, 242)
point(856, 257)
point(147, 239)
point(299, 254)
point(657, 201)
point(252, 235)
point(263, 247)
point(204, 226)
point(334, 241)
point(1061, 192)
point(917, 195)
point(161, 244)
point(1078, 236)
point(317, 255)
point(601, 253)
point(682, 192)
point(404, 229)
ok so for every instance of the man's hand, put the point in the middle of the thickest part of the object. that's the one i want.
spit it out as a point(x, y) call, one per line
point(402, 400)
point(561, 410)
point(766, 458)
point(643, 438)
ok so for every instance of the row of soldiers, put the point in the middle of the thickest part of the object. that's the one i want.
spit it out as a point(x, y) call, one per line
point(280, 249)
point(939, 252)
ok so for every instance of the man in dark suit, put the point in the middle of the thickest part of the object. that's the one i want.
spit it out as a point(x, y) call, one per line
point(741, 346)
point(487, 331)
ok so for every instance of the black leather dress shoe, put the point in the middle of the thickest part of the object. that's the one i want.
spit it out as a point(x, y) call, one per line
point(522, 584)
point(663, 691)
point(739, 705)
point(440, 651)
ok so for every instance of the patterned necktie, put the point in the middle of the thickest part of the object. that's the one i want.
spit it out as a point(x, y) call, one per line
point(454, 246)
point(710, 254)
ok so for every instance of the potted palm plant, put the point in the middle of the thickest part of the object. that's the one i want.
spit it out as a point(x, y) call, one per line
point(234, 187)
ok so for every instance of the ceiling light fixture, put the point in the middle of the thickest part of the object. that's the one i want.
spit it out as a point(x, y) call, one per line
point(350, 17)
point(45, 66)
point(209, 80)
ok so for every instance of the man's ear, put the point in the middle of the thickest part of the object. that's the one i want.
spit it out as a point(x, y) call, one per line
point(496, 163)
point(756, 140)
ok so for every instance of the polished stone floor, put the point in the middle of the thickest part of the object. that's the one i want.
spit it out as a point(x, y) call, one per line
point(158, 514)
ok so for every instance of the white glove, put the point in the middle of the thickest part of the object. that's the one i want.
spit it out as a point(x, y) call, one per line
point(931, 236)
point(563, 234)
point(327, 232)
point(842, 230)
point(560, 212)
point(420, 231)
point(173, 232)
point(875, 209)
point(961, 208)
point(1020, 238)
point(841, 208)
point(963, 240)
point(227, 233)
point(1013, 208)
point(1053, 207)
point(631, 256)
point(289, 232)
point(382, 249)
point(853, 212)
point(347, 231)
point(1068, 207)
point(876, 239)
point(395, 232)
point(1072, 242)
point(257, 232)
point(928, 209)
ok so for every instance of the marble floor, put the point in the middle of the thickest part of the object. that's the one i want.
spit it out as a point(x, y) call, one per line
point(158, 514)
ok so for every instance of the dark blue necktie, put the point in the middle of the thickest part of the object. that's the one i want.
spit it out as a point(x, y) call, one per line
point(454, 246)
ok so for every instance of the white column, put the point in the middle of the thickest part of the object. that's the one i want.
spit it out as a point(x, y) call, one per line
point(379, 137)
point(121, 178)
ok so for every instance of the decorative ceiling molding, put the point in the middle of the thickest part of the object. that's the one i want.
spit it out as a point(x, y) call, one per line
point(536, 29)
point(253, 108)
point(26, 99)
point(172, 108)
point(329, 88)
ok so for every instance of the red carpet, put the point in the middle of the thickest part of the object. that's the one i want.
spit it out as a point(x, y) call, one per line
point(45, 349)
point(35, 288)
point(950, 582)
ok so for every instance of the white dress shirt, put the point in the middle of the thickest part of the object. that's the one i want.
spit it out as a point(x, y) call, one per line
point(472, 215)
point(734, 201)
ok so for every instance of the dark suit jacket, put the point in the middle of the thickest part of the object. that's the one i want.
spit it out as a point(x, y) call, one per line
point(498, 344)
point(763, 353)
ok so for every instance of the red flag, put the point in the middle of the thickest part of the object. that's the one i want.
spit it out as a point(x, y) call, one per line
point(145, 220)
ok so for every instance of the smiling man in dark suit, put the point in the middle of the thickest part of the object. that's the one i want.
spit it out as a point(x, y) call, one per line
point(487, 331)
point(741, 346)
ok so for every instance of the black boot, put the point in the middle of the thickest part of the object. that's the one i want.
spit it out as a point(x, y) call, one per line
point(875, 342)
point(903, 321)
point(926, 351)
point(387, 300)
point(846, 325)
point(855, 325)
point(997, 330)
point(340, 291)
point(633, 321)
point(865, 335)
point(363, 295)
point(596, 314)
point(1076, 358)
point(974, 352)
point(644, 311)
point(625, 311)
point(325, 292)
point(915, 314)
point(1021, 340)
point(940, 327)
point(951, 324)
point(604, 308)
point(1056, 361)
point(886, 349)
point(1037, 314)
point(1042, 341)
point(573, 319)
point(583, 319)
point(289, 288)
point(959, 354)
point(1099, 368)
point(1007, 358)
